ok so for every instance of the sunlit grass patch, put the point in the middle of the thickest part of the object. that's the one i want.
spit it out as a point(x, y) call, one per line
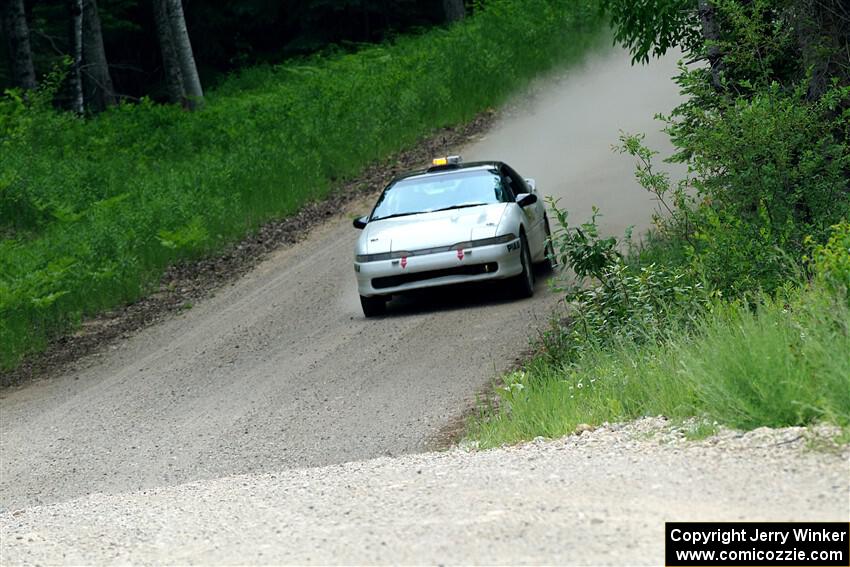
point(783, 363)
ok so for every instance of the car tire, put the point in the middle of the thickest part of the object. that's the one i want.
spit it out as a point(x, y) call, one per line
point(373, 306)
point(549, 263)
point(523, 284)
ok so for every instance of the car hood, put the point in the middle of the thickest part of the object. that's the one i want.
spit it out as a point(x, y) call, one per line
point(429, 230)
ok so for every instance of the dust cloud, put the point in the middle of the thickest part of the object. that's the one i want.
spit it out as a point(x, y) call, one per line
point(561, 131)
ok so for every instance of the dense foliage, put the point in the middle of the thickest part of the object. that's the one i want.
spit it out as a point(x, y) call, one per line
point(736, 309)
point(91, 211)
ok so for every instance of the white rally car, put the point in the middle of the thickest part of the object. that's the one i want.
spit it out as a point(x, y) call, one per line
point(452, 223)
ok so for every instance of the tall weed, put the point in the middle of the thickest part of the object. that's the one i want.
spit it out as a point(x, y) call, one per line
point(785, 363)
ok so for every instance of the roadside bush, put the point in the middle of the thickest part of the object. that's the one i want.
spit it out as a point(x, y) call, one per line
point(639, 304)
point(830, 262)
point(611, 298)
point(769, 171)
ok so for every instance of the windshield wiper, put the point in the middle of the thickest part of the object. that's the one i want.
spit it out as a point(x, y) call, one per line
point(426, 212)
point(459, 207)
point(397, 215)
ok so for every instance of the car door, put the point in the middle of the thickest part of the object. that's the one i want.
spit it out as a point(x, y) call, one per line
point(540, 213)
point(534, 214)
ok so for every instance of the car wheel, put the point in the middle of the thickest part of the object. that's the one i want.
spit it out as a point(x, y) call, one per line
point(549, 263)
point(524, 282)
point(373, 306)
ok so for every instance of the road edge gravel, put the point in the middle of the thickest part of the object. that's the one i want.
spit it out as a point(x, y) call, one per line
point(458, 506)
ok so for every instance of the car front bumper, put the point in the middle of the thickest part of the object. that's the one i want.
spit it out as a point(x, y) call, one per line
point(388, 277)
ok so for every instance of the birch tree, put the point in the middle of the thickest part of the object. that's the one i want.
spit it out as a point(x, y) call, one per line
point(170, 62)
point(75, 13)
point(97, 82)
point(191, 81)
point(16, 31)
point(181, 73)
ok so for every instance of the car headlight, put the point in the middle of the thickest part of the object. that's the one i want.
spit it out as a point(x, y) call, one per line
point(504, 239)
point(382, 256)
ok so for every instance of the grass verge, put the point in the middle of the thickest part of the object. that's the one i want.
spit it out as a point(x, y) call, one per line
point(785, 362)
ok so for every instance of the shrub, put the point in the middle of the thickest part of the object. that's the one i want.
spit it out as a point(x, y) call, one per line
point(768, 171)
point(775, 161)
point(830, 262)
point(613, 298)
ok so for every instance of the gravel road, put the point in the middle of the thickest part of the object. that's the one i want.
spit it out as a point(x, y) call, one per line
point(595, 499)
point(259, 425)
point(281, 369)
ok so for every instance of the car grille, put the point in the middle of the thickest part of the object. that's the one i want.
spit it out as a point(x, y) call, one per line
point(472, 270)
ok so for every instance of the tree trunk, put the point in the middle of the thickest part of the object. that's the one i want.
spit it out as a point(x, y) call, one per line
point(823, 37)
point(75, 10)
point(170, 62)
point(191, 81)
point(711, 35)
point(454, 10)
point(16, 31)
point(98, 89)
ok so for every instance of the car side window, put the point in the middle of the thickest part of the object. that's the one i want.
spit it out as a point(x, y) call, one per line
point(513, 182)
point(517, 183)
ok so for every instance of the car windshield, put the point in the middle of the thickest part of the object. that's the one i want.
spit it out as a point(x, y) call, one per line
point(441, 192)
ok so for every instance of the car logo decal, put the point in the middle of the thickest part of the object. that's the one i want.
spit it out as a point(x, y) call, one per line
point(460, 254)
point(404, 262)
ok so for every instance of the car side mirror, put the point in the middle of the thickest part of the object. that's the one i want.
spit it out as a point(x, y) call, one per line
point(526, 199)
point(360, 222)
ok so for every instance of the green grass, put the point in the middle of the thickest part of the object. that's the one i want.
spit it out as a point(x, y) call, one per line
point(784, 363)
point(92, 211)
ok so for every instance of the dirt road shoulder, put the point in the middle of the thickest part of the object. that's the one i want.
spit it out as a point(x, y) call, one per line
point(599, 498)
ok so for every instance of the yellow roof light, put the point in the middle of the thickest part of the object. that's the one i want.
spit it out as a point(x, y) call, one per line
point(448, 160)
